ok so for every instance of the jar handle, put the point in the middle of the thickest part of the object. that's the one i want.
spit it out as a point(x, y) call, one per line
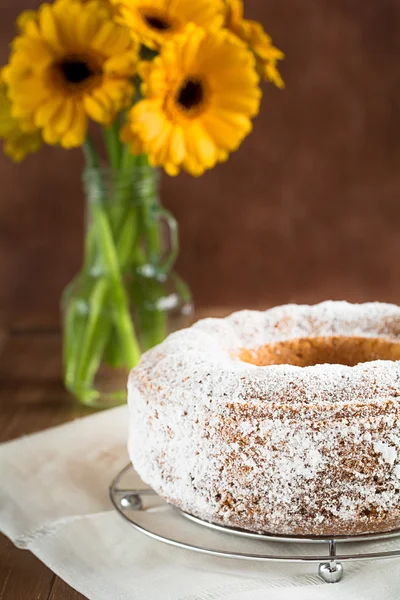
point(167, 261)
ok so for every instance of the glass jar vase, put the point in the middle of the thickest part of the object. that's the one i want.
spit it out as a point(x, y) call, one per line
point(126, 298)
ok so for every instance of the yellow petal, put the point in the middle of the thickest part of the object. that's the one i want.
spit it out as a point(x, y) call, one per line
point(201, 146)
point(178, 146)
point(95, 108)
point(78, 130)
point(122, 64)
point(46, 112)
point(87, 27)
point(108, 36)
point(36, 50)
point(24, 18)
point(49, 28)
point(65, 117)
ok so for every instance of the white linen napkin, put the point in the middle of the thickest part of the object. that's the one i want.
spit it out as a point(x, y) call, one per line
point(54, 502)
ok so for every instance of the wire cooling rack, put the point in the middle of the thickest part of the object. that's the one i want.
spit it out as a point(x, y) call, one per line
point(152, 516)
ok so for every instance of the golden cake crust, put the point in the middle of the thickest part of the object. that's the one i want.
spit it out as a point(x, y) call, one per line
point(310, 351)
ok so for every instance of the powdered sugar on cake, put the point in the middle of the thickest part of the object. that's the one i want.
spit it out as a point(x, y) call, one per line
point(282, 449)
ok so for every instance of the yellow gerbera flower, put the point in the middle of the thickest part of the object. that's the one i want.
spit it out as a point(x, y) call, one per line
point(70, 63)
point(28, 15)
point(253, 34)
point(24, 19)
point(154, 21)
point(200, 94)
point(17, 142)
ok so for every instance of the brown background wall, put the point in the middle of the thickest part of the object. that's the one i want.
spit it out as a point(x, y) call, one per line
point(307, 209)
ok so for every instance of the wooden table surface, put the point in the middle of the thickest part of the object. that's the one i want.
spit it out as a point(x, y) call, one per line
point(32, 398)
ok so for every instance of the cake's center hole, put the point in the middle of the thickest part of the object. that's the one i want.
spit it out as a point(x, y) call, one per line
point(306, 352)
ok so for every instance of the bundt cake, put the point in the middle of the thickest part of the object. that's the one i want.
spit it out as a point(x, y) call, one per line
point(284, 422)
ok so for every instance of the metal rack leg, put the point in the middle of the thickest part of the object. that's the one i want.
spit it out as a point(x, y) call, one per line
point(331, 572)
point(132, 501)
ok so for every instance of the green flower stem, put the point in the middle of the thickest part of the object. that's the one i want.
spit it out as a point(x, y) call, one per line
point(92, 163)
point(137, 219)
point(111, 138)
point(95, 335)
point(76, 337)
point(126, 244)
point(112, 352)
point(124, 259)
point(147, 294)
point(103, 302)
point(123, 219)
point(108, 251)
point(128, 239)
point(90, 154)
point(118, 297)
point(123, 190)
point(149, 206)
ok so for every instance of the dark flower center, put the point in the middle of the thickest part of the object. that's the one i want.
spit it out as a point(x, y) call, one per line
point(157, 23)
point(75, 70)
point(191, 94)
